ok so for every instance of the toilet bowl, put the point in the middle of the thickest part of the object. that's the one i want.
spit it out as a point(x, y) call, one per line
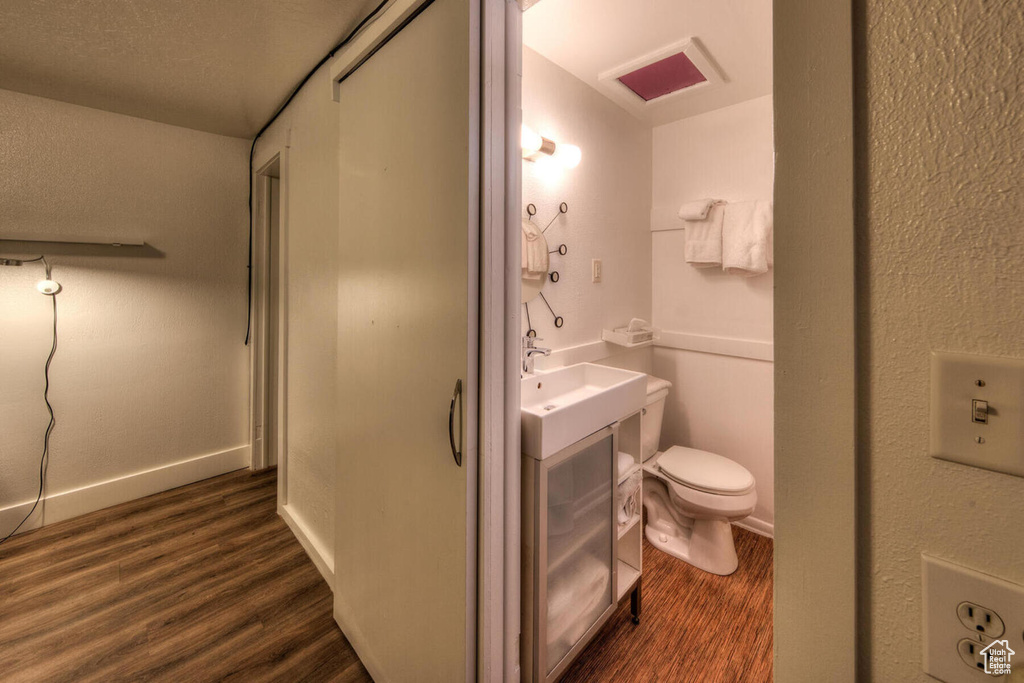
point(691, 496)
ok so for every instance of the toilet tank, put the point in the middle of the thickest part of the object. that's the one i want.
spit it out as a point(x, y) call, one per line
point(654, 411)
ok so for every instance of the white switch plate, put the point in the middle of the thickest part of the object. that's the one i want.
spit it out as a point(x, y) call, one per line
point(596, 264)
point(957, 380)
point(944, 587)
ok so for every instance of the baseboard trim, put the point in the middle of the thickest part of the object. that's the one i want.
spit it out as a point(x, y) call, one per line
point(67, 504)
point(758, 527)
point(321, 558)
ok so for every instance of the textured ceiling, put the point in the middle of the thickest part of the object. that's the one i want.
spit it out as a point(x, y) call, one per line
point(222, 66)
point(589, 37)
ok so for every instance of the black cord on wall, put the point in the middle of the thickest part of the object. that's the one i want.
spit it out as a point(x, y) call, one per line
point(252, 150)
point(44, 460)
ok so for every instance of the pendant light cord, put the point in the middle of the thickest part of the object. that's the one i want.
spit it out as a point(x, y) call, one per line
point(44, 460)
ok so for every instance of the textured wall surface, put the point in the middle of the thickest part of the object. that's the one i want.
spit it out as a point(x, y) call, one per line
point(310, 170)
point(940, 247)
point(609, 198)
point(150, 368)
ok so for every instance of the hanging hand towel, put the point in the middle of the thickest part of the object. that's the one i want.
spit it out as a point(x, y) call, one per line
point(703, 247)
point(746, 238)
point(535, 253)
point(696, 211)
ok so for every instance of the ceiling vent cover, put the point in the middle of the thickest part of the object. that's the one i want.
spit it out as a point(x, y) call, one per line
point(661, 77)
point(664, 76)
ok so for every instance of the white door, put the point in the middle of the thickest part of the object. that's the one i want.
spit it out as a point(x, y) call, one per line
point(407, 329)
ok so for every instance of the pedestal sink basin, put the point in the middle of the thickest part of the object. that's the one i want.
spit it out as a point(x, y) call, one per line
point(562, 406)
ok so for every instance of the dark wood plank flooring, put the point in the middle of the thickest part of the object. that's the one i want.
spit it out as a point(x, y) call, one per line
point(207, 583)
point(694, 626)
point(201, 583)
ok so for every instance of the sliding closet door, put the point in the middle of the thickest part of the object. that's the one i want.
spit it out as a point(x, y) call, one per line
point(405, 527)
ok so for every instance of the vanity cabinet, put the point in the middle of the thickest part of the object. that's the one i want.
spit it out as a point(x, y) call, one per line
point(572, 560)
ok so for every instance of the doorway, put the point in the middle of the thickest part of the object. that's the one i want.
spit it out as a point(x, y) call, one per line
point(663, 104)
point(268, 389)
point(814, 331)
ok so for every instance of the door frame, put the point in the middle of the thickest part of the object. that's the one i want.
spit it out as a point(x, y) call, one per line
point(499, 512)
point(816, 562)
point(274, 167)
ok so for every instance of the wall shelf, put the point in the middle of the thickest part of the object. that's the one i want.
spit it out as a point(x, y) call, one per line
point(35, 239)
point(621, 339)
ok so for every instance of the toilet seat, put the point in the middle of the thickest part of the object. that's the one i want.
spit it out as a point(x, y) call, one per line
point(703, 471)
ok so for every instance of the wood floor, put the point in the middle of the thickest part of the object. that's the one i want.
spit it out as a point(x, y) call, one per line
point(201, 583)
point(694, 626)
point(206, 583)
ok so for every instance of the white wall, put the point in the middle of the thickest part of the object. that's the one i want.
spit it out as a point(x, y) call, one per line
point(306, 135)
point(727, 154)
point(719, 403)
point(939, 247)
point(150, 370)
point(609, 204)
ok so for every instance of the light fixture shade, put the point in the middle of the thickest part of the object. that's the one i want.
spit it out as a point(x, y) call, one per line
point(530, 141)
point(568, 156)
point(48, 287)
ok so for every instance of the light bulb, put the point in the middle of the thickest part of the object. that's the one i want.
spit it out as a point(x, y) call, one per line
point(569, 156)
point(48, 287)
point(530, 141)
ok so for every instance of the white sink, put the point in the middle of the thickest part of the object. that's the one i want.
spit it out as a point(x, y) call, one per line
point(562, 406)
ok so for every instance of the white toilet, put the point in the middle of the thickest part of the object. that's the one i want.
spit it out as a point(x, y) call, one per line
point(691, 496)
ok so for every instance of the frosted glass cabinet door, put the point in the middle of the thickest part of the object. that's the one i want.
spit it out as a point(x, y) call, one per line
point(580, 551)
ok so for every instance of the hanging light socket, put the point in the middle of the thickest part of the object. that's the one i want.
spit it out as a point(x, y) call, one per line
point(50, 287)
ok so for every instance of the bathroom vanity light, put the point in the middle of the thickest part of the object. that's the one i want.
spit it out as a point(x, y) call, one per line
point(533, 144)
point(567, 155)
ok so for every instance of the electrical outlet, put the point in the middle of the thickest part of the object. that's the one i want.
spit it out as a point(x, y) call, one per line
point(980, 619)
point(596, 263)
point(970, 652)
point(957, 600)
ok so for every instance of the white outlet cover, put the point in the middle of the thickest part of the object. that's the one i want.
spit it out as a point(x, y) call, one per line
point(955, 381)
point(944, 585)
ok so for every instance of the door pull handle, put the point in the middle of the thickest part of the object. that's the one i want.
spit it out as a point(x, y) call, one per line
point(457, 394)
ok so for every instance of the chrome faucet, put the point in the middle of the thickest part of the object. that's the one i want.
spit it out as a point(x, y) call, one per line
point(529, 351)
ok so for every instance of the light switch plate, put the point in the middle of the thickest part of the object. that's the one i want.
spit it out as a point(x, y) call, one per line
point(959, 379)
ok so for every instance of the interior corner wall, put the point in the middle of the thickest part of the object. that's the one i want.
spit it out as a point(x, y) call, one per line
point(939, 251)
point(150, 378)
point(306, 136)
point(609, 204)
point(719, 402)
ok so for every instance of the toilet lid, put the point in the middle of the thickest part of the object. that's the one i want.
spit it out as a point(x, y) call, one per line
point(705, 471)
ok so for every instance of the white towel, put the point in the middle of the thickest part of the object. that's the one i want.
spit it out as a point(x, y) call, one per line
point(535, 253)
point(746, 238)
point(696, 211)
point(704, 240)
